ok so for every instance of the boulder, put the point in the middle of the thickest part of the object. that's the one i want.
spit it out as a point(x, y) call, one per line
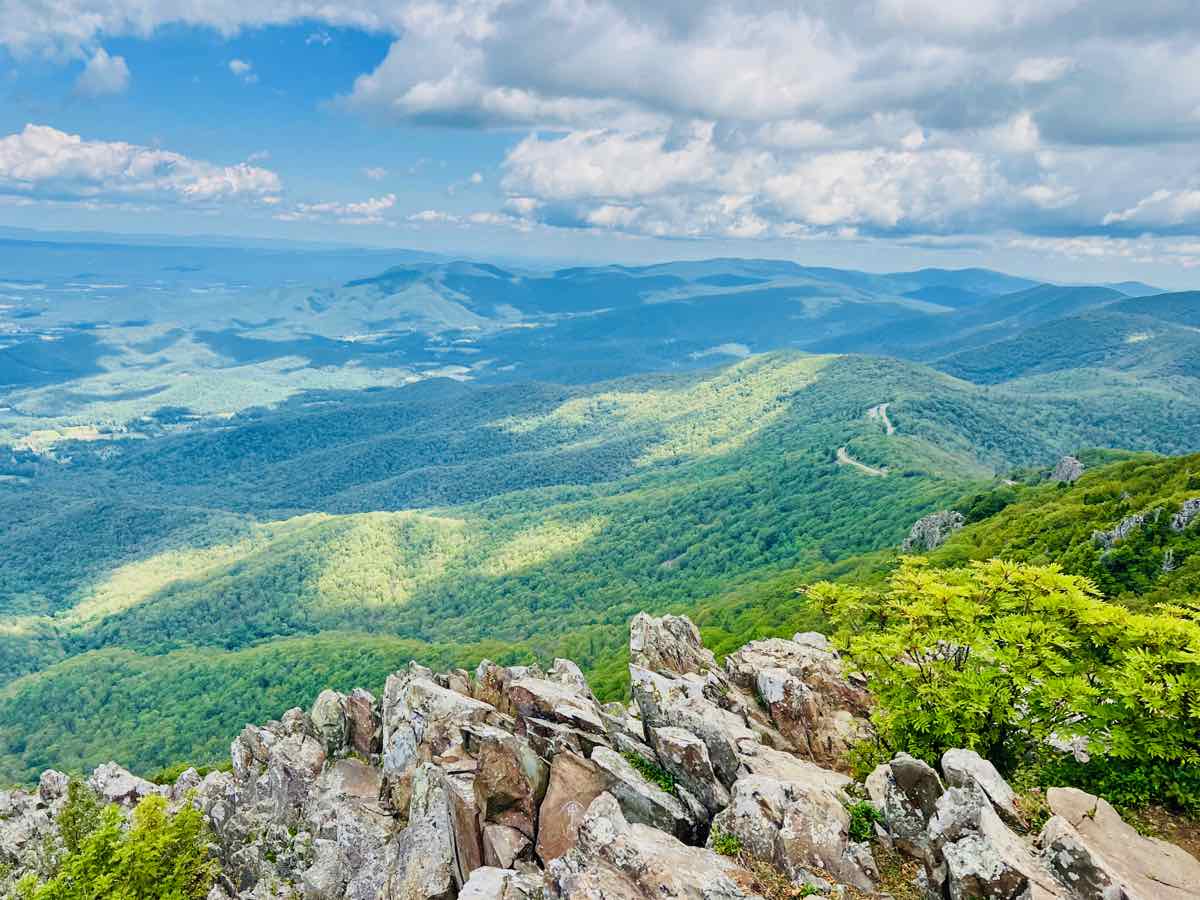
point(906, 791)
point(420, 862)
point(52, 786)
point(964, 766)
point(491, 683)
point(974, 854)
point(329, 719)
point(685, 757)
point(931, 531)
point(116, 785)
point(670, 645)
point(1105, 848)
point(556, 701)
point(510, 780)
point(798, 827)
point(503, 846)
point(618, 860)
point(1067, 470)
point(574, 783)
point(681, 702)
point(363, 722)
point(424, 722)
point(641, 801)
point(489, 883)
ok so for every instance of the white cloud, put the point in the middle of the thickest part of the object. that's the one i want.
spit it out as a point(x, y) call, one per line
point(375, 173)
point(1162, 208)
point(44, 163)
point(476, 178)
point(320, 38)
point(362, 212)
point(1042, 69)
point(909, 118)
point(103, 75)
point(243, 70)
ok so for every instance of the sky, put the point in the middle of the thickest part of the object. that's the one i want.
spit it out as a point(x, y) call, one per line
point(1056, 138)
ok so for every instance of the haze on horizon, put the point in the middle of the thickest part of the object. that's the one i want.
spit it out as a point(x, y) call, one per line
point(1055, 139)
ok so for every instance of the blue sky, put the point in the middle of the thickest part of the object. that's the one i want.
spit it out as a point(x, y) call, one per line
point(1057, 138)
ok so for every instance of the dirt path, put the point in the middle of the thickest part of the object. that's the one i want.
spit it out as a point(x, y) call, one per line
point(880, 412)
point(845, 459)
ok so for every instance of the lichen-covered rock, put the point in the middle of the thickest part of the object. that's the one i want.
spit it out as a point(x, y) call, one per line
point(906, 791)
point(974, 854)
point(329, 719)
point(964, 766)
point(420, 864)
point(617, 860)
point(490, 883)
point(643, 802)
point(801, 827)
point(1100, 848)
point(685, 756)
point(931, 531)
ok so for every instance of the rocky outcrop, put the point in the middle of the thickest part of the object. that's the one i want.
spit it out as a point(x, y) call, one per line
point(1187, 514)
point(1067, 470)
point(1109, 539)
point(515, 783)
point(931, 531)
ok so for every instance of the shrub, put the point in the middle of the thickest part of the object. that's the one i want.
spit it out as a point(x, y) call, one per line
point(651, 771)
point(726, 843)
point(999, 657)
point(157, 857)
point(863, 816)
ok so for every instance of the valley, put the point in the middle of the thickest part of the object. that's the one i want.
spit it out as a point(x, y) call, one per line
point(582, 445)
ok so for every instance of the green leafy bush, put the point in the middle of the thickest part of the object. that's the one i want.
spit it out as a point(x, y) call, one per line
point(999, 657)
point(157, 857)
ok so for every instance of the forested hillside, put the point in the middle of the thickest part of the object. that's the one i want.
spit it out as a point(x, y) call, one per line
point(451, 521)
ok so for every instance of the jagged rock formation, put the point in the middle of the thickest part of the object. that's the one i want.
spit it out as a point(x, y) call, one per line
point(1186, 515)
point(1067, 470)
point(1120, 531)
point(514, 783)
point(930, 532)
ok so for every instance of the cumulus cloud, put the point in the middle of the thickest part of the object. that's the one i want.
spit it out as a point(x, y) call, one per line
point(375, 173)
point(362, 212)
point(907, 118)
point(103, 75)
point(43, 163)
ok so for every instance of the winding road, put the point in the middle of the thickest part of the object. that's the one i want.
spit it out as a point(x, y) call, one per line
point(845, 459)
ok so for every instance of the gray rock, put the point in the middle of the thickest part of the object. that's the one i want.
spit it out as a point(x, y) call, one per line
point(329, 719)
point(906, 791)
point(1067, 470)
point(685, 756)
point(1187, 514)
point(931, 531)
point(1108, 847)
point(618, 860)
point(117, 785)
point(641, 801)
point(963, 766)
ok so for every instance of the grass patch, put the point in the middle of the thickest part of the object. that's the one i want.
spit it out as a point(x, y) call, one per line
point(651, 771)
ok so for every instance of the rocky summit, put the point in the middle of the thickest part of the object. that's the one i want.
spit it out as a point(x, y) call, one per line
point(718, 782)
